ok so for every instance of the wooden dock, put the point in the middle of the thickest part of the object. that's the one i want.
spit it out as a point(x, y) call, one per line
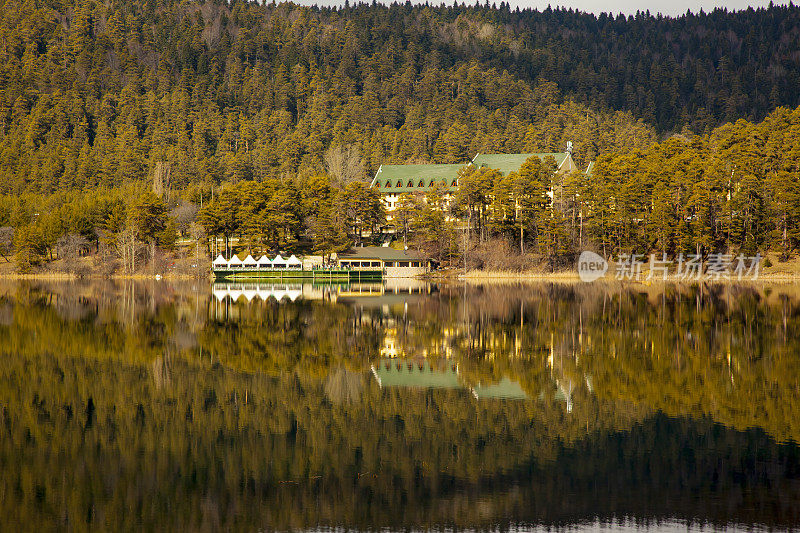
point(316, 275)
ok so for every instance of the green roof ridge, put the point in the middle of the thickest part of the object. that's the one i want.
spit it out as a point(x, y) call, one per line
point(419, 177)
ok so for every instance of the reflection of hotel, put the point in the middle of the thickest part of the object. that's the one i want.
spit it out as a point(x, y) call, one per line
point(389, 349)
point(416, 373)
point(405, 363)
point(505, 389)
point(422, 374)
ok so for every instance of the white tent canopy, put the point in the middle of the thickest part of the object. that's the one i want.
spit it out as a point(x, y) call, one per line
point(220, 261)
point(250, 294)
point(278, 294)
point(264, 262)
point(235, 261)
point(263, 293)
point(249, 261)
point(294, 262)
point(294, 294)
point(220, 294)
point(235, 294)
point(279, 262)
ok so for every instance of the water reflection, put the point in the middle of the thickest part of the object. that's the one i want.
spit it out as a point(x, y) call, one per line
point(383, 291)
point(167, 406)
point(420, 374)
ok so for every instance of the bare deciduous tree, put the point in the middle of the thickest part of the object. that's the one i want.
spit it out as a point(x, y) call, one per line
point(69, 248)
point(184, 215)
point(162, 372)
point(344, 165)
point(343, 386)
point(127, 245)
point(6, 242)
point(197, 233)
point(161, 178)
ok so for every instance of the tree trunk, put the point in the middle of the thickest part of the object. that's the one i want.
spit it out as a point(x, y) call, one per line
point(785, 239)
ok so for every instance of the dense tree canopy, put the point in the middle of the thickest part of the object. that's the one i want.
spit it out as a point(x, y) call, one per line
point(104, 94)
point(734, 191)
point(190, 98)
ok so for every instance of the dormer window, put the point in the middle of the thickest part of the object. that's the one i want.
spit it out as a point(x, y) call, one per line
point(420, 184)
point(410, 183)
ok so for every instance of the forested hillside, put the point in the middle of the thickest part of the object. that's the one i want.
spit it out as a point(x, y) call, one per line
point(96, 93)
point(735, 190)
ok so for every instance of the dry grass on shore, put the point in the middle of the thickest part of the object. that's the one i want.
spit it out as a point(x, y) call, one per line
point(485, 277)
point(504, 276)
point(43, 276)
point(92, 267)
point(777, 272)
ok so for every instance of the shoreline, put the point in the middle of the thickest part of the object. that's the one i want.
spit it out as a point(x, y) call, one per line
point(472, 276)
point(54, 276)
point(506, 277)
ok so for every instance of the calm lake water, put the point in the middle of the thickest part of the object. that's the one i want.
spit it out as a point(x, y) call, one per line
point(158, 406)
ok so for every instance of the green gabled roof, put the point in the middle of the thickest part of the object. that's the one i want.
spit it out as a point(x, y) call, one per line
point(507, 163)
point(506, 389)
point(399, 179)
point(419, 374)
point(383, 253)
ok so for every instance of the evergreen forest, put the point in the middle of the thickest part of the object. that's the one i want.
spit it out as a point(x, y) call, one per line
point(133, 131)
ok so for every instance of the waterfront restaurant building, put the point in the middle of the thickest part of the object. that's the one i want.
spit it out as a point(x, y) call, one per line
point(394, 263)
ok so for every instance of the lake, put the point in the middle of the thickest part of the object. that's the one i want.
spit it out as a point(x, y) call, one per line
point(191, 406)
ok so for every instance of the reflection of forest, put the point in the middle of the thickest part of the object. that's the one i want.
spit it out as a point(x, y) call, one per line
point(729, 352)
point(726, 351)
point(136, 402)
